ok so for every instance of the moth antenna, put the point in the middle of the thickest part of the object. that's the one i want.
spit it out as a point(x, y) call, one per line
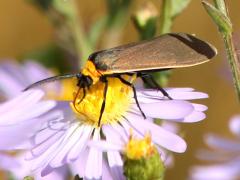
point(51, 79)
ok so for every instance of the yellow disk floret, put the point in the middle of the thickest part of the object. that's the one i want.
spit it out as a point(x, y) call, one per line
point(139, 148)
point(118, 99)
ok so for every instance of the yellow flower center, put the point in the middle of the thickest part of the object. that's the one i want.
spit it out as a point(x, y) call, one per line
point(118, 99)
point(139, 148)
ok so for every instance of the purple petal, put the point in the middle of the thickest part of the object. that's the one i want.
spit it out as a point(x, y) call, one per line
point(53, 124)
point(181, 95)
point(234, 125)
point(94, 161)
point(15, 70)
point(70, 140)
point(58, 149)
point(15, 135)
point(199, 107)
point(217, 156)
point(106, 145)
point(45, 138)
point(106, 171)
point(80, 146)
point(9, 86)
point(25, 113)
point(58, 174)
point(25, 169)
point(193, 117)
point(35, 72)
point(78, 166)
point(175, 93)
point(116, 165)
point(166, 109)
point(183, 89)
point(170, 126)
point(25, 98)
point(114, 135)
point(15, 77)
point(222, 143)
point(215, 172)
point(43, 160)
point(160, 136)
point(8, 162)
point(169, 161)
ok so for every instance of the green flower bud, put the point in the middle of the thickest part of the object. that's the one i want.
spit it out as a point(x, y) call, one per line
point(142, 160)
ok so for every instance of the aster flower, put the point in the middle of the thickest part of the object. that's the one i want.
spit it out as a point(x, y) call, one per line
point(224, 156)
point(63, 136)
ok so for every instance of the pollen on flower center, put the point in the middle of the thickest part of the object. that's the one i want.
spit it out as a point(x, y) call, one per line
point(139, 148)
point(118, 99)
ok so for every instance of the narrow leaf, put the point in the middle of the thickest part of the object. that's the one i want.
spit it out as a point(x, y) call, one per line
point(178, 6)
point(222, 21)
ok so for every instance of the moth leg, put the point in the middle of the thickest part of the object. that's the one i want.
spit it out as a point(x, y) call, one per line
point(84, 95)
point(134, 93)
point(149, 80)
point(75, 99)
point(103, 79)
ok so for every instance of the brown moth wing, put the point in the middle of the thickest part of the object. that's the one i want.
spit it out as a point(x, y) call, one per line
point(172, 50)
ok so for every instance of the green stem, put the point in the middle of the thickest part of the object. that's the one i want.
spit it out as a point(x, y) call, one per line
point(219, 14)
point(83, 46)
point(166, 18)
point(233, 61)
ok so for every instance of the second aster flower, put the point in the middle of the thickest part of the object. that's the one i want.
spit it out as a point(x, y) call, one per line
point(224, 156)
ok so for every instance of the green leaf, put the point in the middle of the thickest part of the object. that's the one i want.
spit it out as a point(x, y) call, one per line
point(162, 77)
point(170, 9)
point(221, 20)
point(178, 6)
point(65, 8)
point(96, 30)
point(115, 5)
point(220, 4)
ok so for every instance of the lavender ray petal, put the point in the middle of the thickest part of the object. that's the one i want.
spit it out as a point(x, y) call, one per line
point(94, 162)
point(75, 151)
point(234, 125)
point(224, 144)
point(168, 109)
point(116, 165)
point(160, 136)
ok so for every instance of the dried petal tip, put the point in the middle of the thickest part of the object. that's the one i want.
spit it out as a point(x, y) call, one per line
point(142, 160)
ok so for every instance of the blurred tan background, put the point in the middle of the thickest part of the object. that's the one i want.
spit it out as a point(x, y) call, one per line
point(24, 28)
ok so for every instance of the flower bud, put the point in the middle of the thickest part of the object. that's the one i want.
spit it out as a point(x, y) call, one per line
point(142, 160)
